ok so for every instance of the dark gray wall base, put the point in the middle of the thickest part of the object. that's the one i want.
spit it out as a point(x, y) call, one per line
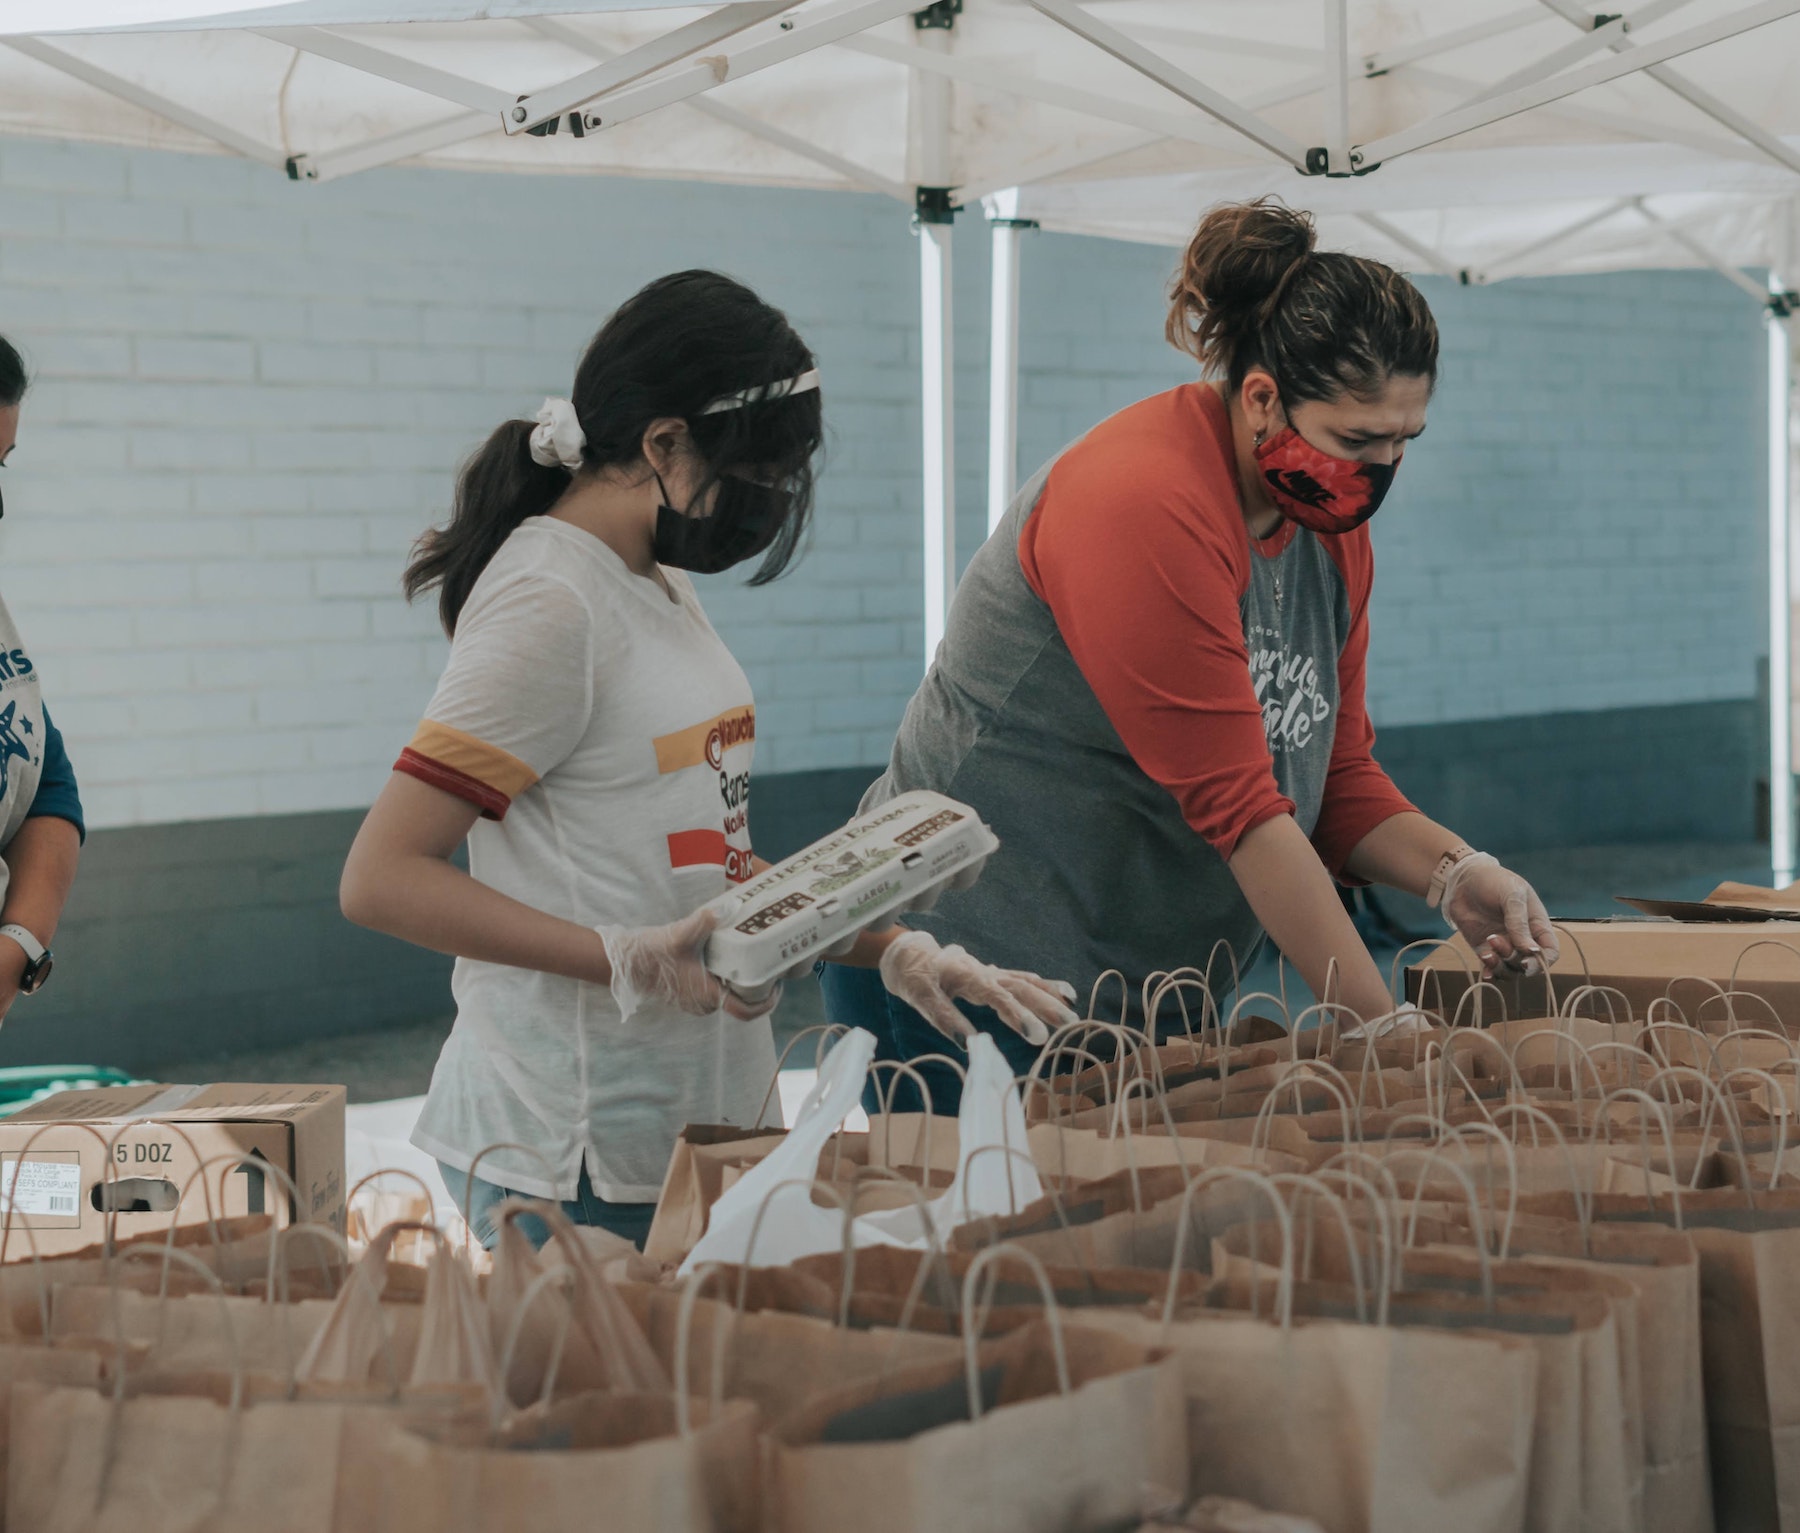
point(217, 935)
point(791, 810)
point(222, 936)
point(1685, 772)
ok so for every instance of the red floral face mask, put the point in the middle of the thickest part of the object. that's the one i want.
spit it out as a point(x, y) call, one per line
point(1320, 492)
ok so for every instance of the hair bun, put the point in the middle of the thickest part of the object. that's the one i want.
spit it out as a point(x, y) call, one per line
point(1235, 271)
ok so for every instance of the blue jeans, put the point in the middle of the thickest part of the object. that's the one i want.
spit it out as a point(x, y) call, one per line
point(630, 1221)
point(857, 998)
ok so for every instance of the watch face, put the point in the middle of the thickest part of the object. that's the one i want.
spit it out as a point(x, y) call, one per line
point(35, 974)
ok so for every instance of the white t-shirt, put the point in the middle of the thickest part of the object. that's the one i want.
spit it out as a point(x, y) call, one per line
point(607, 734)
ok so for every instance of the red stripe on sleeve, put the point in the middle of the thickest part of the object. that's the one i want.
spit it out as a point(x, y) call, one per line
point(492, 803)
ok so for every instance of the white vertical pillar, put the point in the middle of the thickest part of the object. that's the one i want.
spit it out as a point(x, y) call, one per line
point(929, 105)
point(1336, 30)
point(1781, 684)
point(1003, 353)
point(937, 355)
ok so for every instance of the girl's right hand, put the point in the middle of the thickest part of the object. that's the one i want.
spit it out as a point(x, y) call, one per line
point(668, 964)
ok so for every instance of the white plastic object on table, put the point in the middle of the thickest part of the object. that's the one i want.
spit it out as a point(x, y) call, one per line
point(768, 1218)
point(900, 856)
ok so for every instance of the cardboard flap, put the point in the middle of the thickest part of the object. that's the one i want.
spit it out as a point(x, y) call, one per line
point(1728, 902)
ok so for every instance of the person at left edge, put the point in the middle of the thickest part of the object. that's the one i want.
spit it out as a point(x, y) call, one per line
point(41, 823)
point(592, 739)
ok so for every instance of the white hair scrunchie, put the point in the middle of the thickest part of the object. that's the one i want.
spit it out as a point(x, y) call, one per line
point(558, 439)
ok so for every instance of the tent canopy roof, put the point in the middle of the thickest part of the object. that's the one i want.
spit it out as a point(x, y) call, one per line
point(830, 92)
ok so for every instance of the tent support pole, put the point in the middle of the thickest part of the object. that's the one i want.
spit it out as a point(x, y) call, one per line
point(930, 106)
point(937, 356)
point(1007, 231)
point(1781, 701)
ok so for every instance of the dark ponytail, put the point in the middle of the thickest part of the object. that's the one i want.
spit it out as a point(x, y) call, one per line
point(13, 380)
point(670, 350)
point(1254, 291)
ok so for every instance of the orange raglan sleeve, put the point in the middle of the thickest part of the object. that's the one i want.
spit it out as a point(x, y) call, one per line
point(1145, 583)
point(1359, 795)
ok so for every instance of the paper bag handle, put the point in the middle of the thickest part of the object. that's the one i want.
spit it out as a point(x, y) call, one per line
point(1712, 1093)
point(1532, 1113)
point(1754, 1072)
point(825, 1032)
point(1284, 1287)
point(1652, 1033)
point(972, 1326)
point(1093, 1006)
point(1317, 1071)
point(1660, 1113)
point(1303, 1181)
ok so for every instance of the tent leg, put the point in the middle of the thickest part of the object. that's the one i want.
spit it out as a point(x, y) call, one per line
point(1003, 354)
point(1781, 702)
point(938, 359)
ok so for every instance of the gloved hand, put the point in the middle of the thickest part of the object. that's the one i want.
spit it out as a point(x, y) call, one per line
point(1402, 1023)
point(931, 979)
point(1500, 916)
point(667, 964)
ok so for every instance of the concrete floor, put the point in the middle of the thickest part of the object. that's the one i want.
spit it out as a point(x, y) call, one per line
point(1575, 882)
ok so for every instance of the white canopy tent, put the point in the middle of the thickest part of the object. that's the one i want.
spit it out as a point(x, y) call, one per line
point(1484, 137)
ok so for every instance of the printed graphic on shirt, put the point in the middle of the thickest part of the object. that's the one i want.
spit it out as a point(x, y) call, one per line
point(11, 746)
point(478, 773)
point(1294, 706)
point(704, 746)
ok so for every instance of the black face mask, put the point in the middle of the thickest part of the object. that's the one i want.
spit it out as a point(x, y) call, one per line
point(743, 522)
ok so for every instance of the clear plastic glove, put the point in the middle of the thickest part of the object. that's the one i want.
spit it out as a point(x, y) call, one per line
point(1403, 1023)
point(668, 964)
point(931, 979)
point(1500, 916)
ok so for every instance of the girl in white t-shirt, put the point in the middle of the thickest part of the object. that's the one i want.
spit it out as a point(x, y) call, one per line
point(591, 739)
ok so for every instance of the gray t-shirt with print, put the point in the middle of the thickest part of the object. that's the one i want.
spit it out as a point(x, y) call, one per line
point(1098, 869)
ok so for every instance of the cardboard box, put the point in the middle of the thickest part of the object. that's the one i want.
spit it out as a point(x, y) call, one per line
point(152, 1139)
point(1685, 960)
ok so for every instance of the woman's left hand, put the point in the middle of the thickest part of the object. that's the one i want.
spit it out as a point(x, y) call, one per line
point(931, 979)
point(1500, 916)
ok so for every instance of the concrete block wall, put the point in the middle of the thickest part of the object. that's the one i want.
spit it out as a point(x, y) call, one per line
point(1583, 525)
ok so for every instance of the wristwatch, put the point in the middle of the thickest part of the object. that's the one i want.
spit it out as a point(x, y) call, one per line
point(1434, 895)
point(38, 958)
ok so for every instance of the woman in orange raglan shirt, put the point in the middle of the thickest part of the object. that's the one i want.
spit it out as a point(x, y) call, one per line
point(591, 739)
point(1151, 684)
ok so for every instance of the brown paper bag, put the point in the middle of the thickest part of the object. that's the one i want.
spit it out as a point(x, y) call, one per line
point(1750, 1335)
point(591, 1461)
point(1664, 1269)
point(1588, 1446)
point(1363, 1428)
point(773, 1359)
point(908, 1452)
point(84, 1462)
point(693, 1183)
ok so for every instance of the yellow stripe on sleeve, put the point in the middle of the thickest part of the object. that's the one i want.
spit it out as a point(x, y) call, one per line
point(498, 769)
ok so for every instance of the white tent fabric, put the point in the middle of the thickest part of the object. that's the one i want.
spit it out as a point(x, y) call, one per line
point(1480, 214)
point(1481, 137)
point(1042, 88)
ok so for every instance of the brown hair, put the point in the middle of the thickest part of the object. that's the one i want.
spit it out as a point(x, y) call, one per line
point(1255, 291)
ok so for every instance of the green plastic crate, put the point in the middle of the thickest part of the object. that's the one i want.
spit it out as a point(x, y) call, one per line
point(21, 1085)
